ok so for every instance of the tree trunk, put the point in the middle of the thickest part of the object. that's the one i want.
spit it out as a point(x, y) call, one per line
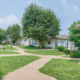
point(40, 44)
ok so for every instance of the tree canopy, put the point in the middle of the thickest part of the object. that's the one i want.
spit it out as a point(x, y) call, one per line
point(39, 23)
point(2, 35)
point(74, 34)
point(14, 31)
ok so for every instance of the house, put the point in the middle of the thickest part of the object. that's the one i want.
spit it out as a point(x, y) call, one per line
point(7, 40)
point(59, 40)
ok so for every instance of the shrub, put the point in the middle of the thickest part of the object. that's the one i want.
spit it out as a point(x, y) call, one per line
point(1, 74)
point(31, 46)
point(75, 55)
point(60, 48)
point(68, 51)
point(65, 50)
point(5, 43)
point(50, 48)
point(73, 51)
point(44, 47)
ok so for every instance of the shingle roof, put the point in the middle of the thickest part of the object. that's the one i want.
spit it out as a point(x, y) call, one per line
point(60, 37)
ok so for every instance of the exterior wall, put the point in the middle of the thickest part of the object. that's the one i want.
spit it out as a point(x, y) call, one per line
point(28, 42)
point(35, 43)
point(70, 46)
point(52, 44)
point(22, 42)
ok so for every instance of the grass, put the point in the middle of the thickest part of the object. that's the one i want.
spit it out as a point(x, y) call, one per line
point(8, 52)
point(11, 63)
point(26, 47)
point(45, 52)
point(62, 69)
point(8, 47)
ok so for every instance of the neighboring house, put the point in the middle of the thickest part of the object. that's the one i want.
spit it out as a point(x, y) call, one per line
point(7, 39)
point(26, 42)
point(59, 40)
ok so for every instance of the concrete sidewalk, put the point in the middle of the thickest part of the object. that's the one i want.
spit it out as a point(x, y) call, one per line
point(31, 71)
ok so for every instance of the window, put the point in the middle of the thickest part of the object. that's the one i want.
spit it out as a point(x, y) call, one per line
point(56, 43)
point(66, 47)
point(66, 42)
point(62, 43)
point(29, 40)
point(71, 43)
point(49, 42)
point(35, 42)
point(25, 40)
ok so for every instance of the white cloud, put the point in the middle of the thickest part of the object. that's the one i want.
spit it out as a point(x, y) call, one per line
point(64, 2)
point(9, 20)
point(1, 21)
point(69, 8)
point(33, 1)
point(75, 8)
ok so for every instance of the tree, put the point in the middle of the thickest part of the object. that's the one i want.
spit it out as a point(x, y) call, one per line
point(14, 31)
point(39, 23)
point(74, 34)
point(2, 34)
point(8, 31)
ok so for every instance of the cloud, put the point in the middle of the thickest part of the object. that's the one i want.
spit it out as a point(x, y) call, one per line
point(64, 2)
point(69, 8)
point(33, 1)
point(75, 8)
point(9, 20)
point(1, 21)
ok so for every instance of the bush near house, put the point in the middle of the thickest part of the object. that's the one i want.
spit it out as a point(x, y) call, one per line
point(75, 55)
point(74, 51)
point(68, 51)
point(60, 48)
point(44, 47)
point(5, 43)
point(31, 46)
point(65, 50)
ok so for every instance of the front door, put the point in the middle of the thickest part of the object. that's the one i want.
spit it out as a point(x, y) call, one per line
point(56, 43)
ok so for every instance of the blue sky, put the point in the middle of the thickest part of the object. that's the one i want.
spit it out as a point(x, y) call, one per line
point(11, 11)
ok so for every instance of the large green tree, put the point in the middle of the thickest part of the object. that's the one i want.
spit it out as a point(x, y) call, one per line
point(14, 31)
point(2, 35)
point(74, 34)
point(39, 23)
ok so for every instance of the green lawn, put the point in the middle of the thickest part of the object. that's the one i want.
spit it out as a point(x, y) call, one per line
point(8, 47)
point(62, 69)
point(26, 47)
point(45, 52)
point(11, 63)
point(7, 52)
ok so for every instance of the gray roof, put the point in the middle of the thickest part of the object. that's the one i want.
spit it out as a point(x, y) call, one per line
point(60, 37)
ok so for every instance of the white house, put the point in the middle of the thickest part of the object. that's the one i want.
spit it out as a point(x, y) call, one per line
point(59, 40)
point(26, 42)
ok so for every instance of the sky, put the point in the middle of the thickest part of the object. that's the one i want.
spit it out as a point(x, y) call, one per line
point(11, 11)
